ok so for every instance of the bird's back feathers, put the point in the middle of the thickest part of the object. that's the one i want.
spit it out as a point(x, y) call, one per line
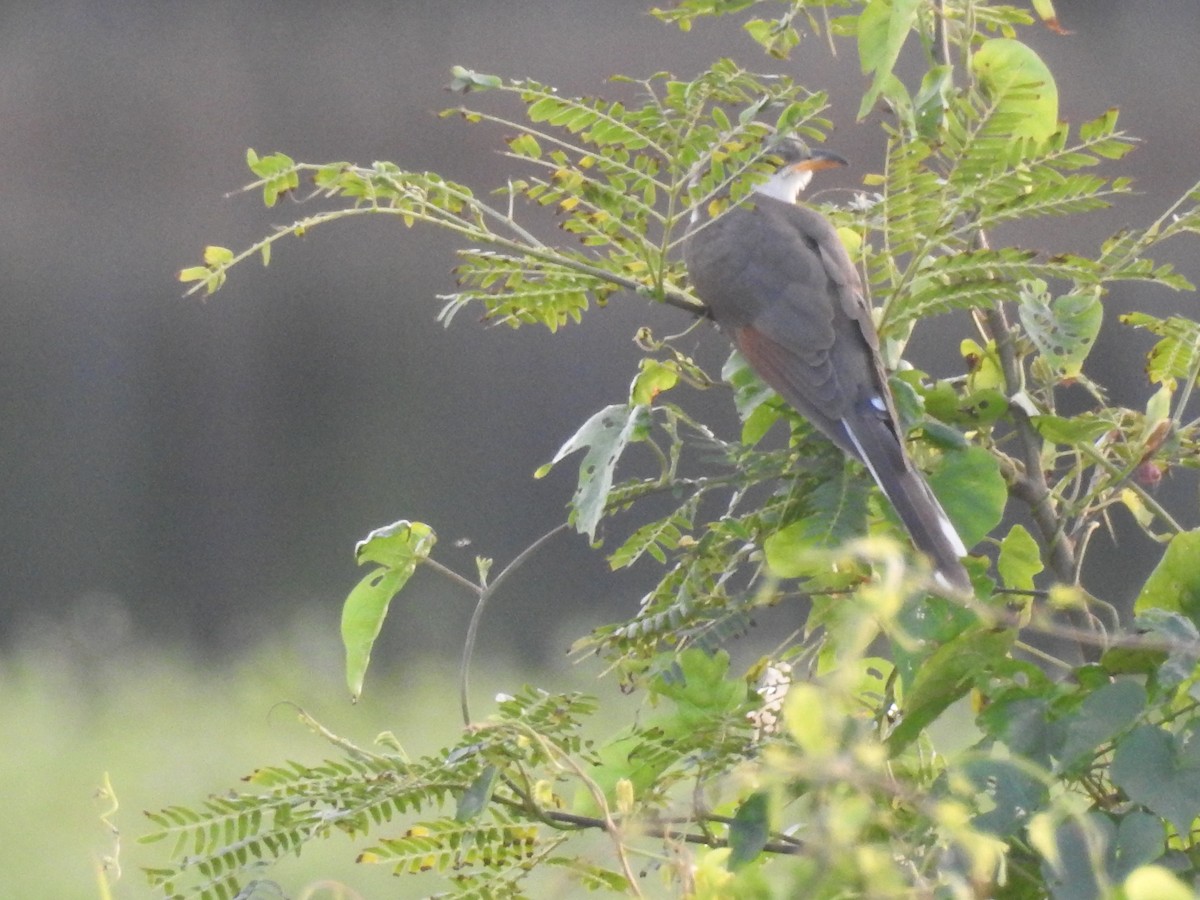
point(778, 281)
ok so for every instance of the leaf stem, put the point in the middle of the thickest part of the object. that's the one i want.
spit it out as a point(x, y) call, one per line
point(485, 592)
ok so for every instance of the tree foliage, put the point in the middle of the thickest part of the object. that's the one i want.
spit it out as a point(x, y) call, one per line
point(895, 743)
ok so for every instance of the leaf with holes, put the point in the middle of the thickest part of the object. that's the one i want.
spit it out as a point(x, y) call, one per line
point(1062, 328)
point(396, 549)
point(605, 437)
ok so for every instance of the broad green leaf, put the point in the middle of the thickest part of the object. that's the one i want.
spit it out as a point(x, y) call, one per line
point(837, 513)
point(397, 548)
point(1103, 715)
point(1161, 771)
point(1072, 848)
point(1019, 560)
point(1023, 723)
point(1013, 793)
point(1141, 839)
point(749, 830)
point(983, 364)
point(933, 99)
point(749, 391)
point(1174, 585)
point(948, 674)
point(883, 28)
point(1020, 85)
point(654, 376)
point(975, 409)
point(700, 689)
point(971, 489)
point(1062, 328)
point(1084, 427)
point(1158, 407)
point(605, 437)
point(1170, 669)
point(476, 797)
point(924, 624)
point(397, 545)
point(362, 619)
point(759, 422)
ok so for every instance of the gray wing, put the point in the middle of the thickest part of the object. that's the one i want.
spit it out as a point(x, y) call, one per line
point(779, 282)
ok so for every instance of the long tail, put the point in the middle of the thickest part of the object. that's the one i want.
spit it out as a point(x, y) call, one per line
point(927, 524)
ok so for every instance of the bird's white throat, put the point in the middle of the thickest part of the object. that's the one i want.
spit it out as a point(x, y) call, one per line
point(786, 184)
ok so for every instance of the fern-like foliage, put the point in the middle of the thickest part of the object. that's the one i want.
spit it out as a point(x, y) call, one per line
point(819, 752)
point(282, 808)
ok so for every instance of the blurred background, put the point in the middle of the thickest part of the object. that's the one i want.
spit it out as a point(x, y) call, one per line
point(183, 482)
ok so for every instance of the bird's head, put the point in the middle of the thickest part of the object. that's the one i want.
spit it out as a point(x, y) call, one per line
point(797, 162)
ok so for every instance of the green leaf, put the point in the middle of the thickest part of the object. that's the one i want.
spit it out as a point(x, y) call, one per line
point(1174, 585)
point(1140, 840)
point(700, 689)
point(1172, 668)
point(1081, 428)
point(1174, 357)
point(654, 376)
point(525, 145)
point(1013, 793)
point(655, 538)
point(1062, 328)
point(465, 80)
point(749, 831)
point(477, 795)
point(217, 256)
point(1020, 85)
point(952, 670)
point(194, 273)
point(976, 409)
point(397, 548)
point(605, 437)
point(971, 489)
point(883, 28)
point(278, 174)
point(1019, 560)
point(362, 619)
point(837, 512)
point(776, 38)
point(1161, 771)
point(1103, 715)
point(1071, 849)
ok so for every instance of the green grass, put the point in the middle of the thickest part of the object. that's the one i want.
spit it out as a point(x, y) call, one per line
point(170, 730)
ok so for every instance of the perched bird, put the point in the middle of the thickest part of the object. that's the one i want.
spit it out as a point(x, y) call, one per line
point(777, 280)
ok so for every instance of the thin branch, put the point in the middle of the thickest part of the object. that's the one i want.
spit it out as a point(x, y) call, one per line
point(485, 593)
point(1124, 478)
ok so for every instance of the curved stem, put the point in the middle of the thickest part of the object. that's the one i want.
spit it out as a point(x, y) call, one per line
point(485, 594)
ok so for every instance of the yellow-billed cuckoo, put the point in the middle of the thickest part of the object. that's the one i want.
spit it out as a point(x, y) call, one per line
point(779, 283)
